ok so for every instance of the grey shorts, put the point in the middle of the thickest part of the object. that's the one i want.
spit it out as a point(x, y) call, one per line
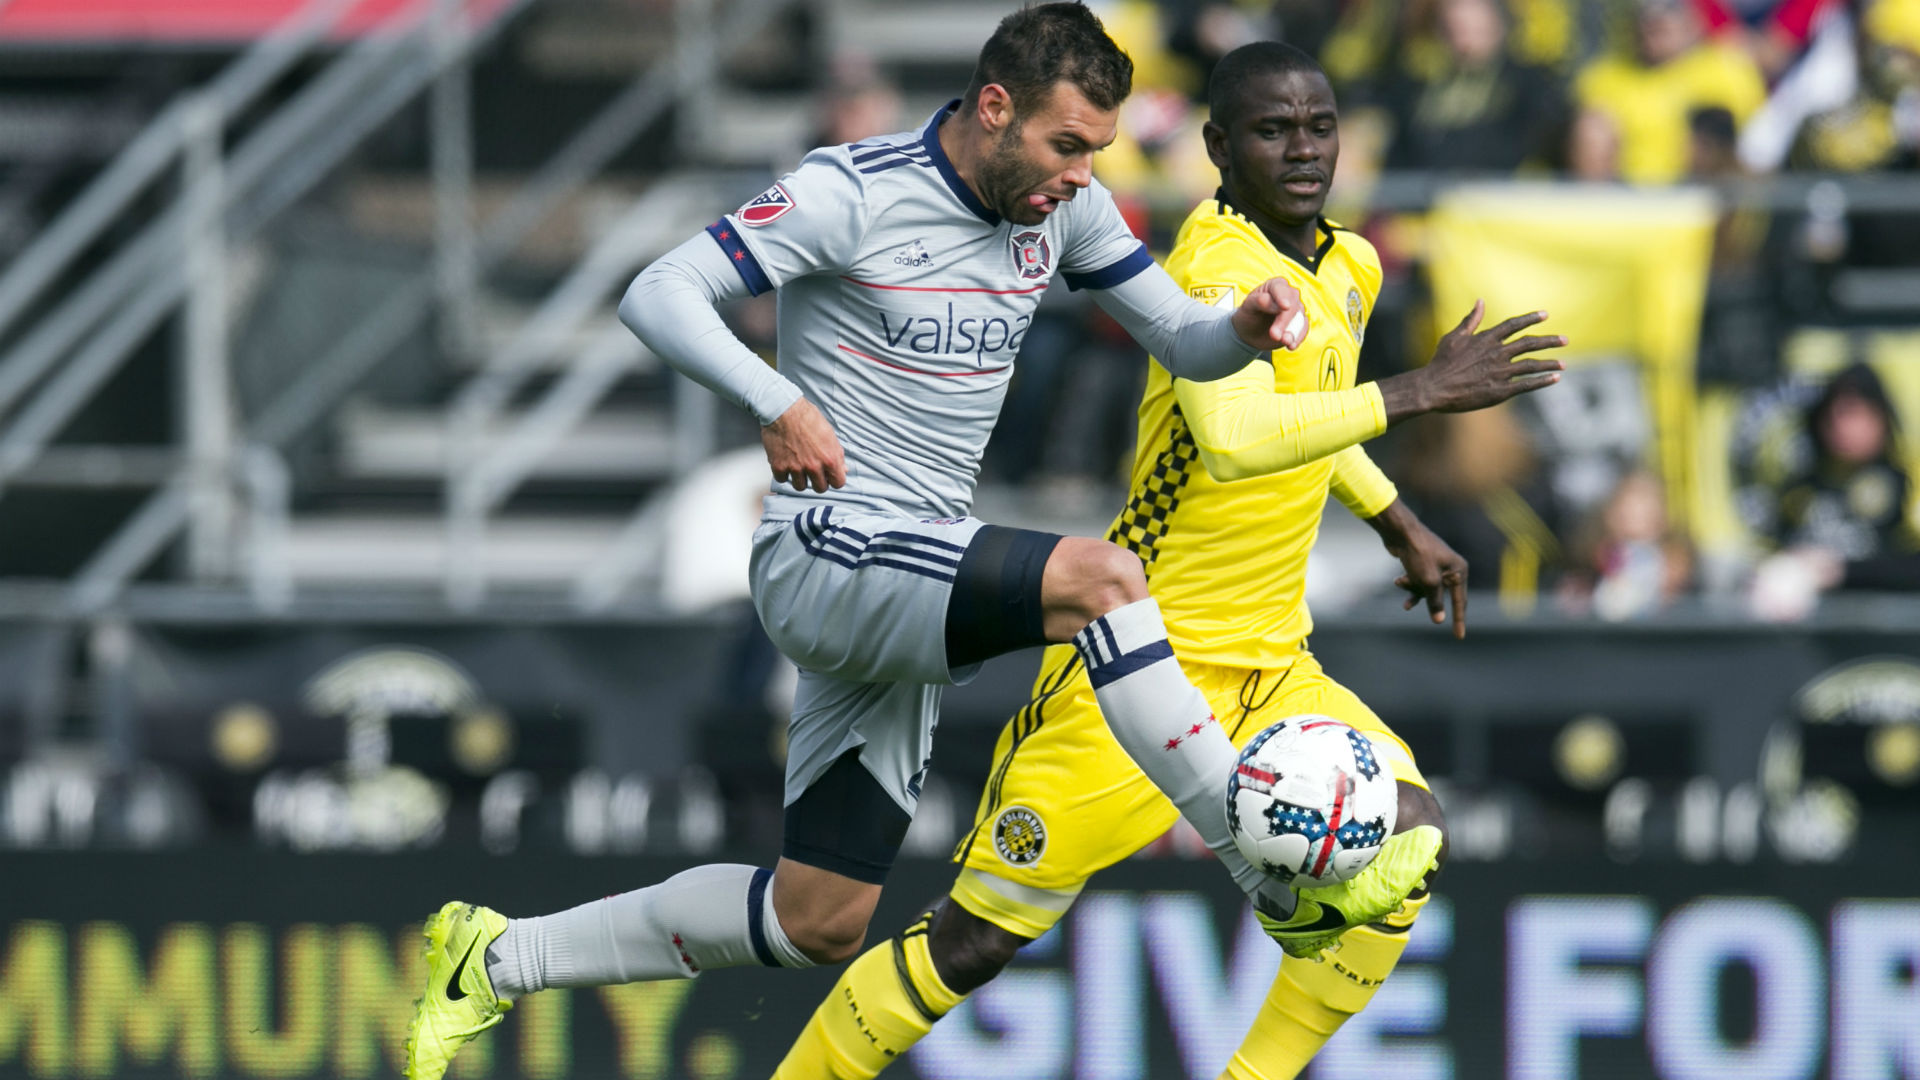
point(859, 602)
point(860, 596)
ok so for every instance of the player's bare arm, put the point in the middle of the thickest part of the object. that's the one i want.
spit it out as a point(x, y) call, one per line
point(1434, 573)
point(1473, 370)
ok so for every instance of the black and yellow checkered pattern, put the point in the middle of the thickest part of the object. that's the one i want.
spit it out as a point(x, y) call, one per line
point(1143, 524)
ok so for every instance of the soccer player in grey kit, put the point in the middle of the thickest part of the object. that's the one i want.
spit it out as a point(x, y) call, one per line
point(908, 268)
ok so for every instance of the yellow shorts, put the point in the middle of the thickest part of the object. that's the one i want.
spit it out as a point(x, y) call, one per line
point(1064, 801)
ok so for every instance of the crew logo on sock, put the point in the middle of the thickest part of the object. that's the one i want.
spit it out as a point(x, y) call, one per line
point(1357, 979)
point(1019, 836)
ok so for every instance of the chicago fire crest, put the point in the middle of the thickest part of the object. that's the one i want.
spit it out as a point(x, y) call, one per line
point(1032, 255)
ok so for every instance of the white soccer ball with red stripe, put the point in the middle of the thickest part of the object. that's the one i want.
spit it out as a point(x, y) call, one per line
point(1309, 802)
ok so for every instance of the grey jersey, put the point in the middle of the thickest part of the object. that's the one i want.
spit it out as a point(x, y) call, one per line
point(903, 302)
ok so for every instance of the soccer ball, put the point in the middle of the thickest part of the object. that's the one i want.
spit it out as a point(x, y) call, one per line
point(1309, 803)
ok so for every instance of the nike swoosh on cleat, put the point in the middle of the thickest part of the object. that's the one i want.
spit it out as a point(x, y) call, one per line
point(454, 992)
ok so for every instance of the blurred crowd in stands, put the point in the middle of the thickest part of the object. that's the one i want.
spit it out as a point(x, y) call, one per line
point(1718, 200)
point(1795, 480)
point(1645, 91)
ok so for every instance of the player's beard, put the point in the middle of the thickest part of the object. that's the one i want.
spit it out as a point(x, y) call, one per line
point(1007, 178)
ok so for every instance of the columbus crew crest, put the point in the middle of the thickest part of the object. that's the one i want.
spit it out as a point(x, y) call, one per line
point(1356, 316)
point(1032, 255)
point(1019, 836)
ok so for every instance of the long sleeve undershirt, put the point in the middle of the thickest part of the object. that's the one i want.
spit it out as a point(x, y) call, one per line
point(1360, 485)
point(1244, 428)
point(1192, 340)
point(670, 308)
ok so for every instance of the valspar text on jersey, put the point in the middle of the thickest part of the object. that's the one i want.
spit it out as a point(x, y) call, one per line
point(955, 334)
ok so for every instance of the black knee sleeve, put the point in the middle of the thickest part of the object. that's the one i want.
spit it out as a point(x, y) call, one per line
point(995, 605)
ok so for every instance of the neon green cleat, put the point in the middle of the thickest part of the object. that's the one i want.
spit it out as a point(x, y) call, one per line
point(1371, 895)
point(459, 1001)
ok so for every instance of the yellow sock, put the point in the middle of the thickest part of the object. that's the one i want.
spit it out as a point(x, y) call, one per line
point(1309, 1001)
point(885, 1001)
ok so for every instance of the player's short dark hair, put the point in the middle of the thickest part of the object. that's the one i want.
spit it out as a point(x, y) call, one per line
point(1038, 46)
point(1231, 74)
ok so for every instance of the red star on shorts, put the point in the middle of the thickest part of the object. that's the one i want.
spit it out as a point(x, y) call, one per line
point(725, 235)
point(738, 255)
point(1173, 743)
point(1196, 729)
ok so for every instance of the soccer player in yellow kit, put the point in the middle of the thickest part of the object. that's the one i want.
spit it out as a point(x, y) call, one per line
point(1228, 485)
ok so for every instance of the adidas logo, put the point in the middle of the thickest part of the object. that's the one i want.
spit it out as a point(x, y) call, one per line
point(914, 254)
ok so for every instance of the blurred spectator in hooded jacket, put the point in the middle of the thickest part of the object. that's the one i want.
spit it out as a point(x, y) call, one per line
point(1833, 492)
point(1647, 97)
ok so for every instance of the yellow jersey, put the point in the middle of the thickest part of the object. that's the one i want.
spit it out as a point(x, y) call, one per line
point(1230, 477)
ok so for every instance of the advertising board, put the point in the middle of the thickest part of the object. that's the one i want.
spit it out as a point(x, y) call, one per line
point(256, 965)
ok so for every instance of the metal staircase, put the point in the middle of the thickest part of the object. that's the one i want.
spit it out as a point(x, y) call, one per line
point(82, 299)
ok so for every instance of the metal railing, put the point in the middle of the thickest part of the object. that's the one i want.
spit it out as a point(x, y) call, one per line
point(180, 255)
point(163, 142)
point(502, 463)
point(58, 363)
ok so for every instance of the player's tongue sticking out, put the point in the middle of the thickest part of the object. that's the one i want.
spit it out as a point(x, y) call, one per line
point(1009, 182)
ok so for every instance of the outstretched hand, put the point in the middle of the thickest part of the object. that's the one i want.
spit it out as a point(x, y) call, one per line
point(1474, 368)
point(803, 451)
point(1273, 314)
point(1435, 572)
